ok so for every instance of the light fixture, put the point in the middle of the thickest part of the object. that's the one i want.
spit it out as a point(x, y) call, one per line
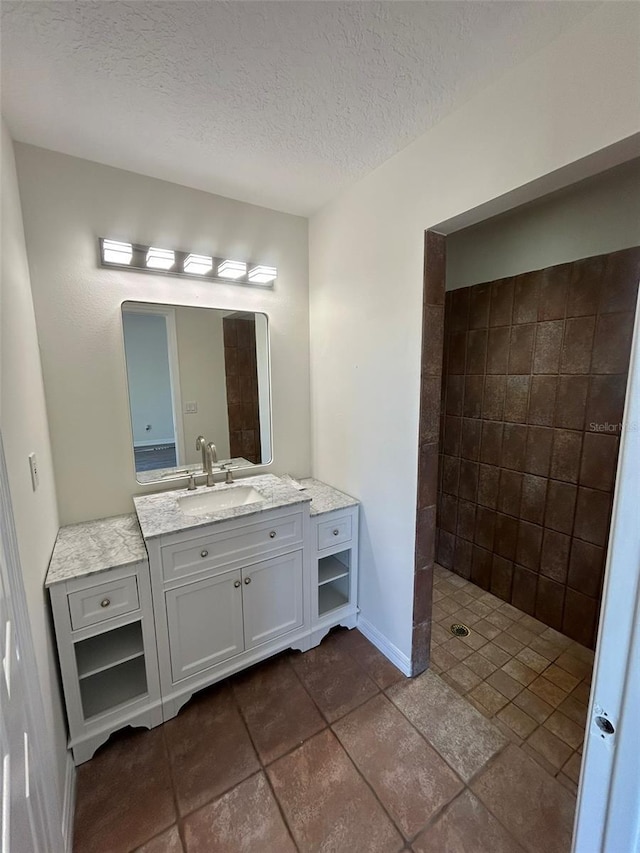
point(114, 252)
point(160, 259)
point(262, 274)
point(180, 262)
point(197, 264)
point(232, 269)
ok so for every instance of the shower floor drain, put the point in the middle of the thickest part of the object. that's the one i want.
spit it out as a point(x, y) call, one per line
point(460, 630)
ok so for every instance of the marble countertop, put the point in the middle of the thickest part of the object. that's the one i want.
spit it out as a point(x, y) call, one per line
point(109, 543)
point(95, 546)
point(325, 498)
point(160, 514)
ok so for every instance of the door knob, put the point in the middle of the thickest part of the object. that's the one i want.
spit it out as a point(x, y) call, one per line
point(204, 553)
point(272, 535)
point(247, 580)
point(336, 532)
point(236, 584)
point(105, 602)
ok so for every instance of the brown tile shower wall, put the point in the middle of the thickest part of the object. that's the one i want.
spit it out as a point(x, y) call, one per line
point(535, 370)
point(242, 387)
point(430, 384)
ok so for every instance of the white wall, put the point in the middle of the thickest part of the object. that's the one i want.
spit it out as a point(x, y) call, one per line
point(574, 98)
point(203, 380)
point(23, 420)
point(594, 217)
point(67, 204)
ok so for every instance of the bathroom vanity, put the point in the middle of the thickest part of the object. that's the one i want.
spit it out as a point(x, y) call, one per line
point(149, 608)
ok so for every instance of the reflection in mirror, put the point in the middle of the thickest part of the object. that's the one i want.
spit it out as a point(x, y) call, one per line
point(191, 372)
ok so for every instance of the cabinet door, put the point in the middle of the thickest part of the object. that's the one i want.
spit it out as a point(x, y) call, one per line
point(272, 598)
point(205, 623)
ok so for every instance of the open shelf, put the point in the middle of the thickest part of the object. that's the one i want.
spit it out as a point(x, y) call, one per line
point(109, 688)
point(109, 649)
point(333, 581)
point(333, 595)
point(331, 569)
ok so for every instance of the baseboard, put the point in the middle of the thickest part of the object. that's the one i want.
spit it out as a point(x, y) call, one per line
point(69, 804)
point(387, 648)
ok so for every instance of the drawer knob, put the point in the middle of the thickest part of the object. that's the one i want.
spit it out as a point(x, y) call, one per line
point(204, 553)
point(236, 584)
point(247, 580)
point(105, 602)
point(272, 535)
point(336, 532)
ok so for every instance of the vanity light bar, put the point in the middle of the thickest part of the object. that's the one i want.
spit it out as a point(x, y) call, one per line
point(232, 269)
point(114, 252)
point(160, 259)
point(262, 274)
point(152, 259)
point(197, 264)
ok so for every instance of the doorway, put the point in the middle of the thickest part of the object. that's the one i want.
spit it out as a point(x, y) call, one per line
point(154, 395)
point(527, 458)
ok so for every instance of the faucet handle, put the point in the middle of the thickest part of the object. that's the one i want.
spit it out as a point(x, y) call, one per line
point(192, 483)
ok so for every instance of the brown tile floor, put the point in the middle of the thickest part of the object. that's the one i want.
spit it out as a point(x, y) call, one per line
point(335, 750)
point(532, 681)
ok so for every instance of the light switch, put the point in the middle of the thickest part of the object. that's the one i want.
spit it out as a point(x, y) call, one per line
point(191, 408)
point(33, 467)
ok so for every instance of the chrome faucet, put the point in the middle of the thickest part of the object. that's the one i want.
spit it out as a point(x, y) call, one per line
point(201, 444)
point(211, 456)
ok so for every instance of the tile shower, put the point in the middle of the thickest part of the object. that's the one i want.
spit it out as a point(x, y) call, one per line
point(534, 376)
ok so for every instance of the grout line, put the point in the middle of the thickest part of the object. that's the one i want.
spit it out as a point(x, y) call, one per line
point(173, 792)
point(230, 686)
point(522, 741)
point(370, 786)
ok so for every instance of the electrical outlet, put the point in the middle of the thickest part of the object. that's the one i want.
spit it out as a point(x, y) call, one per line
point(191, 408)
point(33, 467)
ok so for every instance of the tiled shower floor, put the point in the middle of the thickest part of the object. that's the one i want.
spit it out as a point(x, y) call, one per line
point(336, 751)
point(533, 681)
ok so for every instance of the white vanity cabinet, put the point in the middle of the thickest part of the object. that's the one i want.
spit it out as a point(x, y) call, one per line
point(334, 549)
point(100, 593)
point(216, 618)
point(227, 595)
point(143, 623)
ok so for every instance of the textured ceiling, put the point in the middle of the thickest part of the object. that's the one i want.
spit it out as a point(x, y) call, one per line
point(277, 103)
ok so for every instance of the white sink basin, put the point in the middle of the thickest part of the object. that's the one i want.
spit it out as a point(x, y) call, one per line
point(210, 501)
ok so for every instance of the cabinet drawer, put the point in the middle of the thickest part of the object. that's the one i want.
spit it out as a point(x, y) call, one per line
point(97, 603)
point(219, 550)
point(334, 532)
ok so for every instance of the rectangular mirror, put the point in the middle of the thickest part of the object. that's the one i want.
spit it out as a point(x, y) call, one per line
point(191, 372)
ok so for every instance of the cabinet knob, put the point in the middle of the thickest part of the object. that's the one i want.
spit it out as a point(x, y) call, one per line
point(336, 532)
point(204, 553)
point(272, 535)
point(236, 584)
point(105, 602)
point(247, 580)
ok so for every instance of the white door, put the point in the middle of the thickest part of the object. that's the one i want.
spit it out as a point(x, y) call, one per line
point(608, 814)
point(272, 598)
point(19, 830)
point(205, 623)
point(25, 824)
